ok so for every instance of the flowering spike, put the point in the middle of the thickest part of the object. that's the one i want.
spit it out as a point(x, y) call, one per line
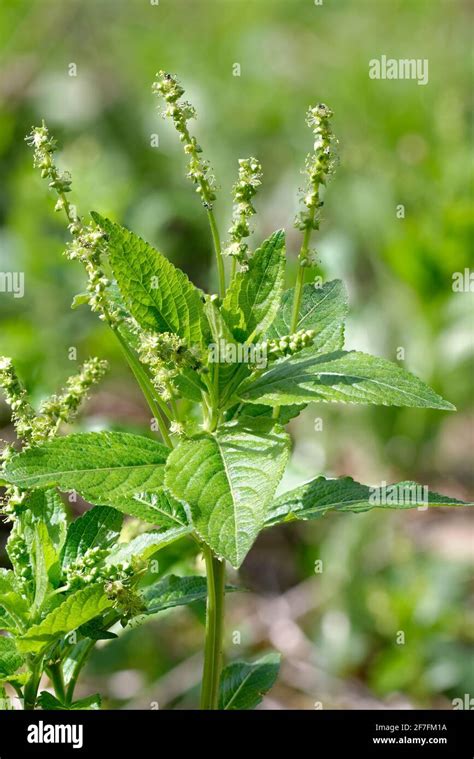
point(32, 428)
point(87, 244)
point(250, 178)
point(319, 166)
point(168, 87)
point(23, 414)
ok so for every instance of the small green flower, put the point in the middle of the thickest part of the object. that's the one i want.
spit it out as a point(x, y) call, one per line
point(250, 178)
point(32, 428)
point(319, 166)
point(180, 111)
point(289, 344)
point(166, 354)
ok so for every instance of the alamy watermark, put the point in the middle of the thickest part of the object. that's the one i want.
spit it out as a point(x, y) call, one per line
point(399, 68)
point(12, 282)
point(224, 352)
point(409, 494)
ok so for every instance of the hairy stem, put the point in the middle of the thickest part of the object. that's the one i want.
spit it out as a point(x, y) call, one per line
point(214, 630)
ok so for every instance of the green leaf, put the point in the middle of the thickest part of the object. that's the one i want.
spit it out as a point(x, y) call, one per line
point(189, 385)
point(49, 702)
point(243, 685)
point(228, 479)
point(230, 372)
point(13, 606)
point(315, 498)
point(75, 610)
point(99, 527)
point(173, 591)
point(258, 410)
point(347, 377)
point(10, 658)
point(104, 467)
point(43, 526)
point(323, 309)
point(167, 511)
point(157, 294)
point(253, 297)
point(145, 545)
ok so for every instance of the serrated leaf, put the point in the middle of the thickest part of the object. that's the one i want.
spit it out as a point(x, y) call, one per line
point(323, 309)
point(10, 658)
point(230, 371)
point(145, 545)
point(48, 702)
point(96, 631)
point(97, 528)
point(189, 385)
point(158, 295)
point(243, 685)
point(13, 606)
point(42, 525)
point(258, 410)
point(228, 479)
point(347, 377)
point(101, 466)
point(167, 511)
point(315, 498)
point(75, 610)
point(173, 591)
point(253, 297)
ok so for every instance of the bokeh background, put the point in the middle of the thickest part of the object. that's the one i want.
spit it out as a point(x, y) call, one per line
point(400, 143)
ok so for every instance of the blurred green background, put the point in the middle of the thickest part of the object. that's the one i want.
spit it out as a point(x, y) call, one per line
point(400, 144)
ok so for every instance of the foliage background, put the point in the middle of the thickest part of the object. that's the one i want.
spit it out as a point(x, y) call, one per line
point(400, 143)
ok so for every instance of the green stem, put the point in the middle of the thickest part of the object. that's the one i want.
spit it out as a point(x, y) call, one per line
point(77, 669)
point(56, 675)
point(300, 276)
point(233, 270)
point(214, 630)
point(218, 251)
point(157, 406)
point(31, 688)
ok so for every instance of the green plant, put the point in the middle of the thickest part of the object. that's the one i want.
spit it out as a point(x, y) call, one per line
point(222, 375)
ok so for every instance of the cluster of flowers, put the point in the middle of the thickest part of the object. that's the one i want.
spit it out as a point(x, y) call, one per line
point(289, 344)
point(35, 428)
point(87, 244)
point(318, 167)
point(168, 87)
point(91, 567)
point(250, 178)
point(166, 355)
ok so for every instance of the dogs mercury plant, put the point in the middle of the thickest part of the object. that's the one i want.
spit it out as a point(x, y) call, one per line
point(212, 480)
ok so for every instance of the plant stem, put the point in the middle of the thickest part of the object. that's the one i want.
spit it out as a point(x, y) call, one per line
point(214, 630)
point(77, 669)
point(218, 251)
point(157, 406)
point(31, 688)
point(56, 675)
point(300, 277)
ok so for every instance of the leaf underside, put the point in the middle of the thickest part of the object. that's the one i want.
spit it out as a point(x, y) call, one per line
point(317, 497)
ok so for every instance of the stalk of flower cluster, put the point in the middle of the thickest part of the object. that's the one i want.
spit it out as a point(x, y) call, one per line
point(181, 111)
point(250, 178)
point(319, 165)
point(87, 246)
